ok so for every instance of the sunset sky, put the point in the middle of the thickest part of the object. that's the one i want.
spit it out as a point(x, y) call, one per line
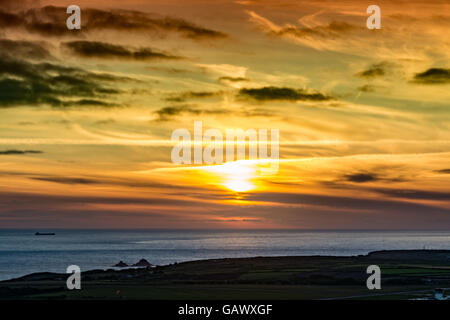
point(86, 116)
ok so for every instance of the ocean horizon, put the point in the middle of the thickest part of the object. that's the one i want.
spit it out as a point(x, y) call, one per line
point(22, 252)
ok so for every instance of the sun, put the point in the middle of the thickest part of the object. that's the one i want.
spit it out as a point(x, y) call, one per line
point(236, 176)
point(239, 185)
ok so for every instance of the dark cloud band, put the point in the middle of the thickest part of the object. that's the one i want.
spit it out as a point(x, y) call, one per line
point(51, 21)
point(282, 93)
point(433, 76)
point(19, 152)
point(95, 49)
point(23, 83)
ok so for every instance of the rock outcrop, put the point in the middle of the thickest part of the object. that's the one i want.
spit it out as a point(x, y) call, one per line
point(142, 263)
point(121, 264)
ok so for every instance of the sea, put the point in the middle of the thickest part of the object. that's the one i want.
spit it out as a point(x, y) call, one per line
point(22, 252)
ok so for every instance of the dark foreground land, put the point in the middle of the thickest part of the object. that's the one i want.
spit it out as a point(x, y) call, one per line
point(405, 275)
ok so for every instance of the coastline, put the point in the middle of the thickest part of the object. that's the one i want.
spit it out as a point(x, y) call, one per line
point(22, 253)
point(405, 274)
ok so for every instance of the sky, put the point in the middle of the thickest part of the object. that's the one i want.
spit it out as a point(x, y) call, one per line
point(86, 116)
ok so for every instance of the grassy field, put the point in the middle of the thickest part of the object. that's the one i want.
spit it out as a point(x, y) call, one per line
point(405, 275)
point(222, 292)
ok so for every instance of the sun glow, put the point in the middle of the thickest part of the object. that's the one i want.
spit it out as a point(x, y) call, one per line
point(236, 176)
point(239, 185)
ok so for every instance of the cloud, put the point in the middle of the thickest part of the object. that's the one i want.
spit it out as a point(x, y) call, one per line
point(47, 21)
point(333, 29)
point(226, 70)
point(37, 201)
point(328, 36)
point(444, 171)
point(170, 112)
point(325, 27)
point(25, 83)
point(367, 88)
point(134, 20)
point(170, 70)
point(257, 112)
point(9, 20)
point(166, 113)
point(24, 49)
point(17, 152)
point(194, 95)
point(237, 219)
point(235, 82)
point(365, 176)
point(414, 194)
point(361, 177)
point(67, 180)
point(105, 121)
point(232, 79)
point(95, 49)
point(89, 102)
point(359, 203)
point(119, 182)
point(375, 70)
point(433, 76)
point(282, 93)
point(51, 21)
point(14, 5)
